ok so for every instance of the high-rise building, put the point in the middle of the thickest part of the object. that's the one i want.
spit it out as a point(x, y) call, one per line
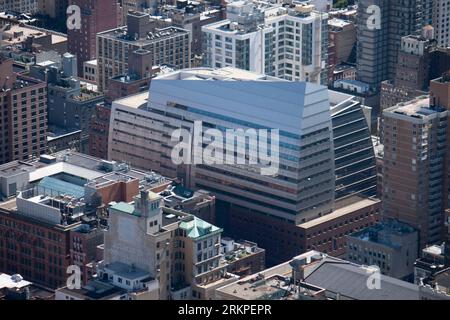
point(290, 43)
point(380, 26)
point(23, 110)
point(19, 6)
point(96, 16)
point(170, 46)
point(325, 146)
point(413, 71)
point(414, 153)
point(441, 16)
point(55, 9)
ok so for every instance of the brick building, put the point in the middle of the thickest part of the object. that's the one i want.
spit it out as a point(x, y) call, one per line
point(23, 109)
point(96, 16)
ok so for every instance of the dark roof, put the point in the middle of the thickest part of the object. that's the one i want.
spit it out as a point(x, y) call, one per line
point(350, 280)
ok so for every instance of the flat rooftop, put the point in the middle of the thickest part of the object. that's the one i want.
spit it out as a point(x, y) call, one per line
point(417, 108)
point(341, 212)
point(381, 233)
point(18, 33)
point(222, 74)
point(95, 290)
point(12, 282)
point(134, 101)
point(121, 34)
point(338, 23)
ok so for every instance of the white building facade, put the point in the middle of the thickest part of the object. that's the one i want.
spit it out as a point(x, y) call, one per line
point(289, 43)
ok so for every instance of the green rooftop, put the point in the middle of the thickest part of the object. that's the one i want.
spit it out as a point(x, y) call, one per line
point(124, 207)
point(197, 228)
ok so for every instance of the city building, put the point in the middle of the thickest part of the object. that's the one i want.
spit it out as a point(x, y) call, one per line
point(129, 84)
point(30, 38)
point(84, 240)
point(363, 93)
point(431, 261)
point(96, 16)
point(447, 240)
point(90, 71)
point(413, 72)
point(341, 45)
point(265, 38)
point(56, 208)
point(379, 37)
point(414, 62)
point(23, 110)
point(414, 151)
point(54, 9)
point(390, 245)
point(391, 95)
point(146, 6)
point(440, 18)
point(436, 287)
point(59, 140)
point(192, 16)
point(153, 251)
point(70, 106)
point(170, 46)
point(342, 71)
point(19, 6)
point(329, 232)
point(247, 196)
point(243, 257)
point(14, 287)
point(317, 276)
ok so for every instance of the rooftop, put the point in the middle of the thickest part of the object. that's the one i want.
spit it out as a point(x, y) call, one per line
point(363, 203)
point(133, 101)
point(321, 272)
point(12, 282)
point(339, 23)
point(121, 34)
point(381, 233)
point(196, 228)
point(18, 33)
point(95, 290)
point(223, 74)
point(417, 108)
point(125, 271)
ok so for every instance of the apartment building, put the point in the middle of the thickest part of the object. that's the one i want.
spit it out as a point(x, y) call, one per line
point(170, 46)
point(286, 42)
point(441, 16)
point(23, 110)
point(414, 152)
